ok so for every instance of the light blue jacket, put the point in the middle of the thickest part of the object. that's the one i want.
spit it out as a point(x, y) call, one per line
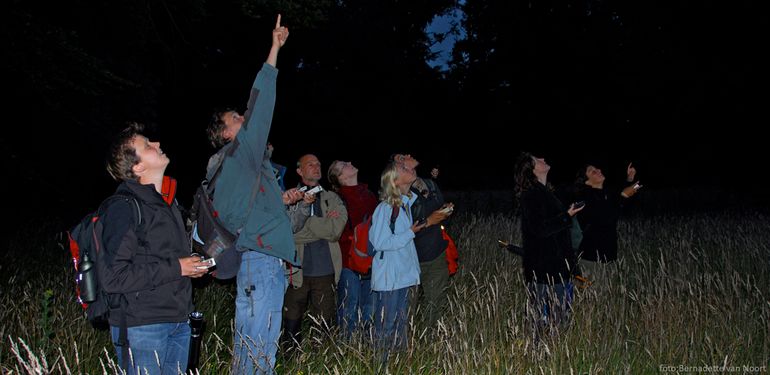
point(395, 264)
point(247, 195)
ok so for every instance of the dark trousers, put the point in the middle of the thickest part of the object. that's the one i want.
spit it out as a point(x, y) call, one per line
point(432, 294)
point(316, 292)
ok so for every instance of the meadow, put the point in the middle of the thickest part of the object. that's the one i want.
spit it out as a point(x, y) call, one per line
point(691, 293)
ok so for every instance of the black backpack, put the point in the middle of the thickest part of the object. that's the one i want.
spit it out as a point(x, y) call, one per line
point(218, 241)
point(85, 244)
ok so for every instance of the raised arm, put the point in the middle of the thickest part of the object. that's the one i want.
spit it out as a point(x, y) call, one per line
point(280, 34)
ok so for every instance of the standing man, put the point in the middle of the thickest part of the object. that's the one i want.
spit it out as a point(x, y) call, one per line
point(431, 245)
point(319, 254)
point(250, 202)
point(146, 265)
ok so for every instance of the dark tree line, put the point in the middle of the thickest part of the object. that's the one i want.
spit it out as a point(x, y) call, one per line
point(553, 73)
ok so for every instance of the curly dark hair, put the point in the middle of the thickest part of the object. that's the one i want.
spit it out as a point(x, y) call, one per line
point(524, 174)
point(217, 126)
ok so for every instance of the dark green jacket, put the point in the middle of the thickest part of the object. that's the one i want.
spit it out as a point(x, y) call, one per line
point(247, 196)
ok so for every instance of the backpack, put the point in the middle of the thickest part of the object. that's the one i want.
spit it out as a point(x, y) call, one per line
point(452, 256)
point(361, 250)
point(209, 236)
point(85, 244)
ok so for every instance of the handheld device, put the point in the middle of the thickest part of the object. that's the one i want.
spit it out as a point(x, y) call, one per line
point(447, 209)
point(315, 190)
point(210, 262)
point(637, 186)
point(578, 204)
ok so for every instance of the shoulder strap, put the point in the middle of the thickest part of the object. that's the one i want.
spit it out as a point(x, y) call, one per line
point(128, 197)
point(168, 189)
point(430, 184)
point(122, 196)
point(209, 184)
point(393, 217)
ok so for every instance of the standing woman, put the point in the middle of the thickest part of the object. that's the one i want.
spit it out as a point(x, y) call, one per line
point(354, 295)
point(599, 221)
point(395, 269)
point(549, 259)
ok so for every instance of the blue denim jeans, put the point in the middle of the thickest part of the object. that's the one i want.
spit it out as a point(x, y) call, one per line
point(171, 342)
point(390, 320)
point(550, 306)
point(355, 301)
point(261, 287)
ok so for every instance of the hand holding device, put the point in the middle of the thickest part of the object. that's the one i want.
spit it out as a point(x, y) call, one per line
point(516, 249)
point(447, 209)
point(629, 191)
point(210, 262)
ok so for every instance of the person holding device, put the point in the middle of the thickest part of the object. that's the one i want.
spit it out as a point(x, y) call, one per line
point(249, 201)
point(599, 219)
point(430, 209)
point(549, 260)
point(312, 285)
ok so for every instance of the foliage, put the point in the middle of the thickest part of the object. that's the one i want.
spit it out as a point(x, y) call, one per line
point(690, 289)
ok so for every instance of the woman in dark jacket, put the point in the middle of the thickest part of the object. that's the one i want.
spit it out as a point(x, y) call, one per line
point(599, 220)
point(549, 259)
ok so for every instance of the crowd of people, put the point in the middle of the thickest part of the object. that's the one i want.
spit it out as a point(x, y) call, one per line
point(293, 244)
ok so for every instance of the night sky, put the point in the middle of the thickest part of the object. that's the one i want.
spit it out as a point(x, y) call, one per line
point(677, 89)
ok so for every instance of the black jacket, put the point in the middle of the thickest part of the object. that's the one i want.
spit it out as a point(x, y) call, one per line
point(599, 221)
point(545, 231)
point(429, 241)
point(147, 274)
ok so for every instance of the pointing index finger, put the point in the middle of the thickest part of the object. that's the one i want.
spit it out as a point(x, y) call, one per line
point(278, 21)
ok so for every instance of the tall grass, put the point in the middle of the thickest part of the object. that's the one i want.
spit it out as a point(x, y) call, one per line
point(691, 290)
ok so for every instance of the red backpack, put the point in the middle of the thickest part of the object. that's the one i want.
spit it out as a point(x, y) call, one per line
point(358, 257)
point(361, 250)
point(451, 252)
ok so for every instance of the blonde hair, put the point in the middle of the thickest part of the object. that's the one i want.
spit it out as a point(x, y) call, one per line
point(389, 191)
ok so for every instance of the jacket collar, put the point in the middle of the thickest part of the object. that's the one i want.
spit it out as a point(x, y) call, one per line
point(146, 193)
